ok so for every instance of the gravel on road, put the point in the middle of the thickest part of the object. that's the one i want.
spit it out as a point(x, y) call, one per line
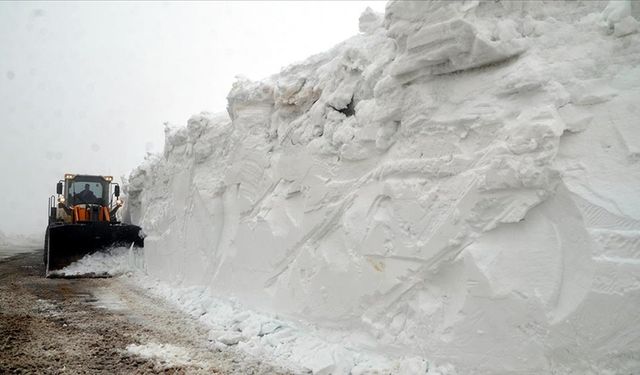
point(101, 326)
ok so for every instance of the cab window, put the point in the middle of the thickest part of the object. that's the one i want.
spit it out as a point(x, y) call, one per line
point(86, 192)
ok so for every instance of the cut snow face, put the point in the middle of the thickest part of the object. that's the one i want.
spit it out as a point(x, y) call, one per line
point(457, 184)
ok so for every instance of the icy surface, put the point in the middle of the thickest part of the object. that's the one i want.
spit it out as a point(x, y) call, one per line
point(459, 183)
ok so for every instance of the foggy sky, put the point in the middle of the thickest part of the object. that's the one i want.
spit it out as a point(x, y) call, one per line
point(86, 87)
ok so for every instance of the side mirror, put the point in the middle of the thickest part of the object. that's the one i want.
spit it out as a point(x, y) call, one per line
point(59, 188)
point(116, 190)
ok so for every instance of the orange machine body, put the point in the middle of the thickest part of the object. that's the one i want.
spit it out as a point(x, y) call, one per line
point(80, 214)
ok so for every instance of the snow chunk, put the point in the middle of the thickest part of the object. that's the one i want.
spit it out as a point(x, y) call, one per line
point(166, 354)
point(455, 43)
point(370, 21)
point(618, 18)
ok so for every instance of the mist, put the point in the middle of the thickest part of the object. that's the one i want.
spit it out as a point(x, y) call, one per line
point(87, 87)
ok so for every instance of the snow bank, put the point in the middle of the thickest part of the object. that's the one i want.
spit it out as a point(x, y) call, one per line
point(301, 347)
point(459, 182)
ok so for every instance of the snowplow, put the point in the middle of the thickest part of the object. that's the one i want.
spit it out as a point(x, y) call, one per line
point(82, 220)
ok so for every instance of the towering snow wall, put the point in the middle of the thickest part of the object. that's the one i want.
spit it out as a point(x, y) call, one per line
point(460, 181)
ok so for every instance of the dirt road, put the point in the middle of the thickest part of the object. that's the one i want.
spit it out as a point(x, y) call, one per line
point(100, 326)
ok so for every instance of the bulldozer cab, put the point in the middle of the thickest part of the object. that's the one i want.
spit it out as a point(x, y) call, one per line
point(83, 198)
point(82, 220)
point(87, 190)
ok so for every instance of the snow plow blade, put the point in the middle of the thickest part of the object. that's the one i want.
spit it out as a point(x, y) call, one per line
point(67, 243)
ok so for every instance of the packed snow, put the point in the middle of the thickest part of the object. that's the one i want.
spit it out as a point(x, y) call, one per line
point(454, 190)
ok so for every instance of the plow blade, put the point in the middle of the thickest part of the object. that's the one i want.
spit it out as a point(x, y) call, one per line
point(67, 243)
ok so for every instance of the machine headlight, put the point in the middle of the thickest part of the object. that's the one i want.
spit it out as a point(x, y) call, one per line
point(61, 199)
point(119, 202)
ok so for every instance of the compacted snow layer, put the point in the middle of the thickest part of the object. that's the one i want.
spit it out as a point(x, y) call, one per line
point(460, 182)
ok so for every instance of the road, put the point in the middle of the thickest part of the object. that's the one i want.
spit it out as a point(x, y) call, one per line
point(101, 326)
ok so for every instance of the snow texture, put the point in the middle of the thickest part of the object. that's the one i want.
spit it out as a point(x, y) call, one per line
point(459, 183)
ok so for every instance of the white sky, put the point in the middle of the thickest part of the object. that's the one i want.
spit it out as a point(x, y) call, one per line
point(86, 87)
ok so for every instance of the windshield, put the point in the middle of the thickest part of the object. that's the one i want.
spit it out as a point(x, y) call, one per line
point(86, 192)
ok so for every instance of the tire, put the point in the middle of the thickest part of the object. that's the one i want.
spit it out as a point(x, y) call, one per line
point(45, 251)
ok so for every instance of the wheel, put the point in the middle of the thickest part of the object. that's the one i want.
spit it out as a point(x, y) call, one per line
point(45, 251)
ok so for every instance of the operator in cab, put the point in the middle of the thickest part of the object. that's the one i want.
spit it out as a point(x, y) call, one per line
point(86, 196)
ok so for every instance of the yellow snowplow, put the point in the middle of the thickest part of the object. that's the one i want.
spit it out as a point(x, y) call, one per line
point(82, 220)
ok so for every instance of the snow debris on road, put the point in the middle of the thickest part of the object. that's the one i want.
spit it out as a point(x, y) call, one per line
point(166, 354)
point(291, 344)
point(459, 183)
